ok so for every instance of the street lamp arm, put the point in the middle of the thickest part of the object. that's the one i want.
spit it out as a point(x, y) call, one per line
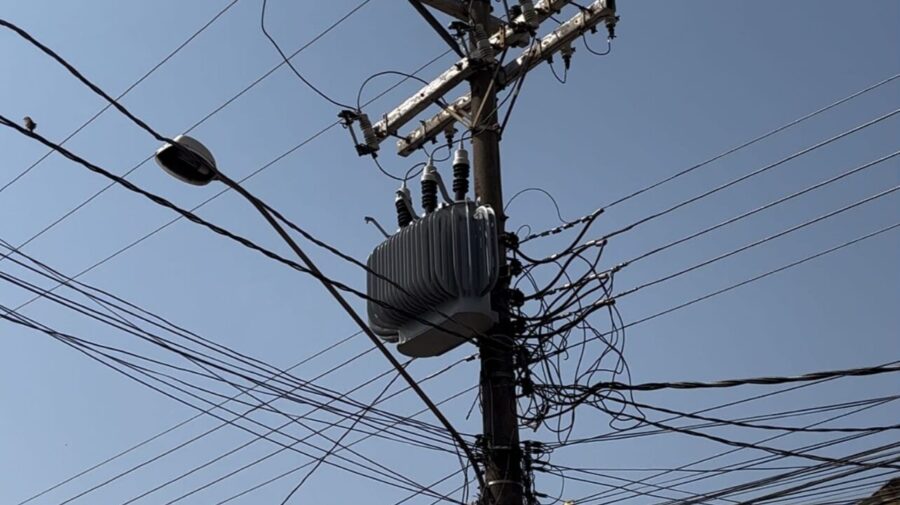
point(267, 214)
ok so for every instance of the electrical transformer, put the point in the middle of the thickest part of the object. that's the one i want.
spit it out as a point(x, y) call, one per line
point(434, 278)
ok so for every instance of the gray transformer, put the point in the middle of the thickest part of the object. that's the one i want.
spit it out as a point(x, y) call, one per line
point(446, 263)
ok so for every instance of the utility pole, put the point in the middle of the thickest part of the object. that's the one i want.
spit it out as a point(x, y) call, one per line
point(502, 453)
point(505, 481)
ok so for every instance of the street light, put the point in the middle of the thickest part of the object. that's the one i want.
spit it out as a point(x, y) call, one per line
point(188, 160)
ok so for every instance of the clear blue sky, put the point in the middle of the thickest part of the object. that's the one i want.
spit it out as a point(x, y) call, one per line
point(685, 80)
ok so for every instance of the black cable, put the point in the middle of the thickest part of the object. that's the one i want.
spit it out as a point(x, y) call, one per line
point(741, 424)
point(175, 427)
point(754, 173)
point(385, 172)
point(561, 80)
point(539, 190)
point(164, 202)
point(298, 468)
point(764, 207)
point(58, 335)
point(281, 393)
point(765, 274)
point(274, 430)
point(168, 345)
point(155, 339)
point(263, 458)
point(517, 88)
point(203, 120)
point(768, 481)
point(124, 93)
point(262, 25)
point(758, 381)
point(337, 443)
point(381, 74)
point(760, 241)
point(721, 155)
point(592, 51)
point(585, 313)
point(764, 460)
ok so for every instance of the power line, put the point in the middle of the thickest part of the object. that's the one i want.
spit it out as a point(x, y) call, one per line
point(211, 198)
point(155, 339)
point(754, 173)
point(756, 461)
point(266, 457)
point(329, 284)
point(584, 311)
point(759, 381)
point(337, 444)
point(742, 283)
point(764, 207)
point(175, 426)
point(67, 339)
point(761, 241)
point(769, 481)
point(717, 157)
point(215, 111)
point(298, 468)
point(124, 93)
point(766, 274)
point(742, 424)
point(171, 346)
point(600, 242)
point(198, 220)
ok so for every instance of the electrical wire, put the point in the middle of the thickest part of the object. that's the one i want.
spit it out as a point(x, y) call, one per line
point(594, 52)
point(754, 173)
point(329, 284)
point(759, 381)
point(174, 427)
point(367, 407)
point(741, 424)
point(580, 314)
point(539, 190)
point(284, 57)
point(59, 335)
point(208, 116)
point(761, 241)
point(769, 205)
point(121, 95)
point(337, 444)
point(719, 156)
point(761, 276)
point(863, 406)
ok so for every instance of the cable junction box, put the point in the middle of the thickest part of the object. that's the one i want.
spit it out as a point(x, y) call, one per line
point(447, 263)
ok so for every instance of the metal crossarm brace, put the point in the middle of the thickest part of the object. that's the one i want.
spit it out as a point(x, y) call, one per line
point(460, 71)
point(436, 25)
point(530, 58)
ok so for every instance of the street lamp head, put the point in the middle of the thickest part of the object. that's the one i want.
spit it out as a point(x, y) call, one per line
point(188, 161)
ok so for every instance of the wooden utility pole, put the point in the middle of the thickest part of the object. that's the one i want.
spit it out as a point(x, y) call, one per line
point(502, 453)
point(504, 474)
